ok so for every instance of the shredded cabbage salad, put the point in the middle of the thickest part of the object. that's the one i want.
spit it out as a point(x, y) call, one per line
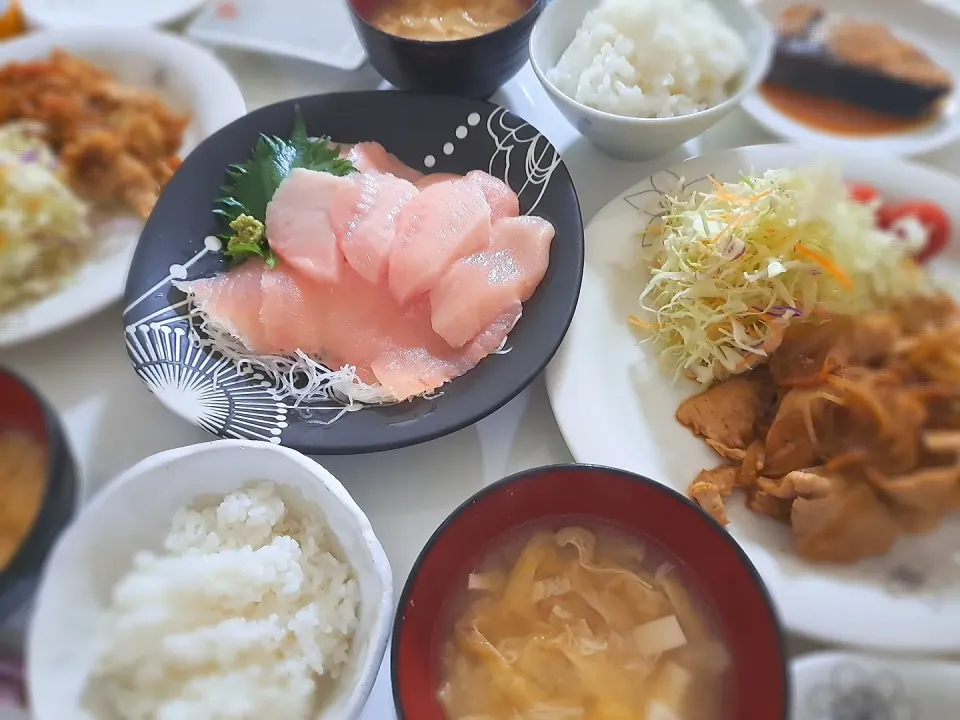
point(44, 227)
point(732, 267)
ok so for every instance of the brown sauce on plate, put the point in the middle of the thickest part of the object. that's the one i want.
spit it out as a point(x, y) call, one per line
point(836, 116)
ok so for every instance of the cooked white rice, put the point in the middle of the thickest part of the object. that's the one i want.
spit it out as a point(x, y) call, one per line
point(651, 58)
point(238, 619)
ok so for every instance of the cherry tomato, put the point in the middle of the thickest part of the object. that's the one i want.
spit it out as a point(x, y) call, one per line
point(863, 193)
point(933, 217)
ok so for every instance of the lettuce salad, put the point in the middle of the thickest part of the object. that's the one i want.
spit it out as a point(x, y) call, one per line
point(732, 267)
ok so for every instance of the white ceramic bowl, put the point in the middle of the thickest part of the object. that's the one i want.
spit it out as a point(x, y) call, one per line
point(629, 138)
point(49, 14)
point(133, 513)
point(182, 73)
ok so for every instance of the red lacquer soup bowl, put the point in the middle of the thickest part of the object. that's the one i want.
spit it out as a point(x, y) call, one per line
point(711, 562)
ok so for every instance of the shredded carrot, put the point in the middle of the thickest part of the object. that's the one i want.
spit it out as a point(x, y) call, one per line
point(827, 264)
point(723, 194)
point(637, 322)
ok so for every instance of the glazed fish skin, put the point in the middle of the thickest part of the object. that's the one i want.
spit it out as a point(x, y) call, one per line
point(860, 63)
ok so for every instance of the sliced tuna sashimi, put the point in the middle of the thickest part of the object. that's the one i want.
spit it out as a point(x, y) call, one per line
point(373, 157)
point(444, 223)
point(288, 313)
point(503, 201)
point(233, 301)
point(298, 223)
point(347, 322)
point(364, 216)
point(434, 178)
point(351, 322)
point(410, 370)
point(480, 288)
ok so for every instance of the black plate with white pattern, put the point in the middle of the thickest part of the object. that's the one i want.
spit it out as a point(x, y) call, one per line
point(428, 132)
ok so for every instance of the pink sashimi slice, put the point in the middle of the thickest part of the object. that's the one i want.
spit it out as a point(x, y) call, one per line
point(480, 288)
point(288, 313)
point(232, 301)
point(298, 223)
point(434, 178)
point(503, 201)
point(364, 216)
point(445, 222)
point(349, 322)
point(491, 338)
point(409, 371)
point(373, 157)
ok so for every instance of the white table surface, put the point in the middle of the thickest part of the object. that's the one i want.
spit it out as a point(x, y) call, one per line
point(112, 420)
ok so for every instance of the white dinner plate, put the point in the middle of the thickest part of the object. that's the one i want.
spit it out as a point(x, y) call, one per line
point(320, 31)
point(187, 76)
point(930, 27)
point(615, 406)
point(848, 686)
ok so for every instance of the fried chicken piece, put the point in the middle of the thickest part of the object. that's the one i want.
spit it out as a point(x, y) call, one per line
point(118, 143)
point(103, 171)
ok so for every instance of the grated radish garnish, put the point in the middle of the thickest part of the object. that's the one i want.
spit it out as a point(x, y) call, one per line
point(300, 378)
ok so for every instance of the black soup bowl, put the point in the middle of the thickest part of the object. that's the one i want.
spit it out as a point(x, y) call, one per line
point(430, 133)
point(476, 67)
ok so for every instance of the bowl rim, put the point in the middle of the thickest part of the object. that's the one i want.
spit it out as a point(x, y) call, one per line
point(61, 470)
point(380, 631)
point(751, 76)
point(503, 483)
point(535, 8)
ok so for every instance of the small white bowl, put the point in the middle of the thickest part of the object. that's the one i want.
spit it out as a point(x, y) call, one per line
point(628, 138)
point(133, 513)
point(55, 14)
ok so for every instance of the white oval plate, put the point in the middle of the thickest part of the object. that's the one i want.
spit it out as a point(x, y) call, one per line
point(828, 686)
point(185, 75)
point(54, 14)
point(322, 33)
point(615, 406)
point(929, 27)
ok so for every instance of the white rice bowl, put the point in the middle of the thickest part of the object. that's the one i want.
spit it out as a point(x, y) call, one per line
point(651, 59)
point(244, 614)
point(333, 615)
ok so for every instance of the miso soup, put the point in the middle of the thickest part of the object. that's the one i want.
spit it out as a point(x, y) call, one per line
point(438, 20)
point(576, 620)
